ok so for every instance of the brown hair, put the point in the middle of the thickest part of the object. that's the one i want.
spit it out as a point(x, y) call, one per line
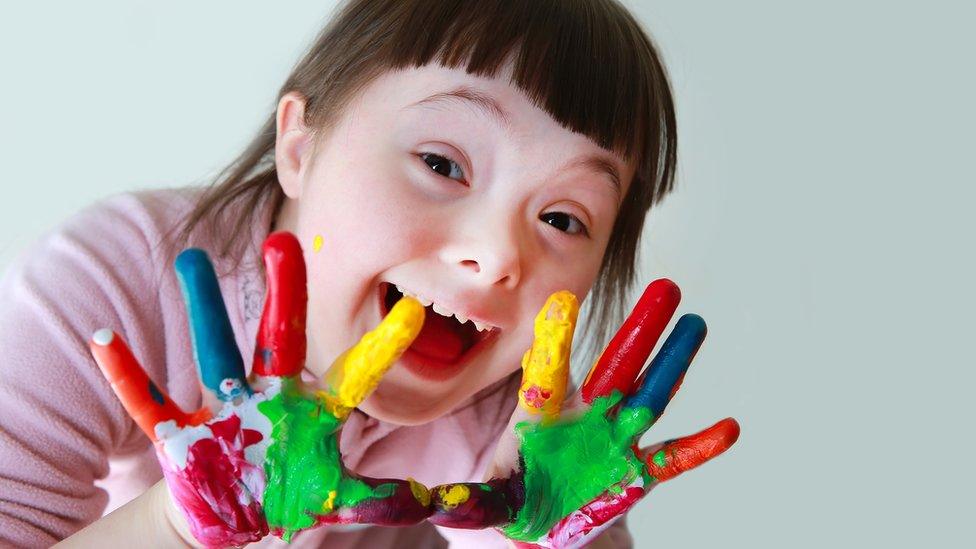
point(587, 63)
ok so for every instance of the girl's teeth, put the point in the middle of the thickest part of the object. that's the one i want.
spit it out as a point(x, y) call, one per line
point(443, 311)
point(423, 301)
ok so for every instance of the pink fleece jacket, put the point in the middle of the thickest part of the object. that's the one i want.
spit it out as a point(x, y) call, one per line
point(69, 453)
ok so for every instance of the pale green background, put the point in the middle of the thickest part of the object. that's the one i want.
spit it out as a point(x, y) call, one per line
point(822, 226)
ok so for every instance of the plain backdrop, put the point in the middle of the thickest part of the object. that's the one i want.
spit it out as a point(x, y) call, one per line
point(822, 226)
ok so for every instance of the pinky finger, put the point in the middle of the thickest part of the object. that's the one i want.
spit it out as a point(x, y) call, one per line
point(679, 455)
point(146, 403)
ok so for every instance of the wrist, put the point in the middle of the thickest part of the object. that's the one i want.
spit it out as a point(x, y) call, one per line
point(172, 521)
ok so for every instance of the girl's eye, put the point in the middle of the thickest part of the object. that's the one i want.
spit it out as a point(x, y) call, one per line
point(443, 166)
point(565, 222)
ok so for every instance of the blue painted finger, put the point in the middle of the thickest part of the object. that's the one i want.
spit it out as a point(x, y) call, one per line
point(219, 362)
point(664, 375)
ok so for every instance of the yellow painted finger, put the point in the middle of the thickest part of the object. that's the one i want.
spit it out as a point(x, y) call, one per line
point(545, 367)
point(358, 371)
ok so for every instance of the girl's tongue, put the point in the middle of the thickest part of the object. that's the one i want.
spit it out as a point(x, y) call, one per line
point(443, 339)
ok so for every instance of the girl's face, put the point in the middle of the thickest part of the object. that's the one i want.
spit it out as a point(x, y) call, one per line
point(458, 189)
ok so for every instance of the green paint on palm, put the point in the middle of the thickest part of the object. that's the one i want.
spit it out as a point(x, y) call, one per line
point(570, 463)
point(303, 466)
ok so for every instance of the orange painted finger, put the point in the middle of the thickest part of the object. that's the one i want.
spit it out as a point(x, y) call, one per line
point(281, 342)
point(146, 403)
point(680, 455)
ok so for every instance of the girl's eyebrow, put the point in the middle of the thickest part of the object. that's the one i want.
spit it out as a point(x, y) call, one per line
point(482, 102)
point(601, 165)
point(490, 107)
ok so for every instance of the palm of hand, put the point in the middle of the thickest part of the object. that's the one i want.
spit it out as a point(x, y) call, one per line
point(268, 459)
point(578, 469)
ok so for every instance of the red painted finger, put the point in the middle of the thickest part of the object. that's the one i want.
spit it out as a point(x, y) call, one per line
point(625, 355)
point(146, 403)
point(281, 343)
point(683, 454)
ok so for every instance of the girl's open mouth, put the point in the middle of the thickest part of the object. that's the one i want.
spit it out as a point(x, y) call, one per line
point(443, 346)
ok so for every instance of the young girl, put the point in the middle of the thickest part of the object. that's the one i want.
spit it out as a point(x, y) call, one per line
point(478, 155)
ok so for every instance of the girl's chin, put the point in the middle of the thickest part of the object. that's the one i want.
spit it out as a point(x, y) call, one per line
point(403, 399)
point(405, 406)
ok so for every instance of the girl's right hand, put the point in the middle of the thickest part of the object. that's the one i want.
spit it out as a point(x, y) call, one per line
point(265, 455)
point(566, 469)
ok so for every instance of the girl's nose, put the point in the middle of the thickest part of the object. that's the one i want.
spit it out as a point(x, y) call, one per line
point(494, 269)
point(492, 258)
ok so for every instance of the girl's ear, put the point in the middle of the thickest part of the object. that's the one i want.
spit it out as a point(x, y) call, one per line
point(292, 141)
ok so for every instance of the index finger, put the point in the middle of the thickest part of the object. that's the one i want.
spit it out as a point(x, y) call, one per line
point(545, 366)
point(354, 375)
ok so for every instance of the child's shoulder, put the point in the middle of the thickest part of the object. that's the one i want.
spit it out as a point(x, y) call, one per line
point(122, 241)
point(154, 214)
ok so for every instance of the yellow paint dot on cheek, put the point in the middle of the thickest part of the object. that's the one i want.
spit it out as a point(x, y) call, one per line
point(317, 242)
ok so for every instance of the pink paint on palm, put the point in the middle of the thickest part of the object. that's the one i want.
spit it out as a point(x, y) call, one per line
point(586, 523)
point(219, 489)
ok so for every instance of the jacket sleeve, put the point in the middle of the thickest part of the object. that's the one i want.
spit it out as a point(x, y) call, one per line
point(59, 419)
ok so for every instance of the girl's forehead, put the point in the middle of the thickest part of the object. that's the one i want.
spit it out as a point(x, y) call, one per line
point(494, 100)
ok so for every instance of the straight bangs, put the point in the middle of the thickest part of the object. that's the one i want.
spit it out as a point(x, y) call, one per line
point(572, 58)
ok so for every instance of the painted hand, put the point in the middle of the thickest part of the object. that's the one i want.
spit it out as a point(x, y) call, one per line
point(265, 455)
point(567, 470)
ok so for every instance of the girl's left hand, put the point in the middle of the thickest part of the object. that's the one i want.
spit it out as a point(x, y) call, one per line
point(264, 454)
point(565, 471)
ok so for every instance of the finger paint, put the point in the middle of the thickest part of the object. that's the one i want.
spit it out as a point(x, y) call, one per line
point(358, 371)
point(486, 504)
point(303, 467)
point(210, 472)
point(145, 403)
point(668, 368)
point(453, 495)
point(680, 455)
point(208, 463)
point(545, 365)
point(586, 523)
point(317, 242)
point(218, 360)
point(419, 491)
point(625, 355)
point(281, 343)
point(396, 502)
point(569, 463)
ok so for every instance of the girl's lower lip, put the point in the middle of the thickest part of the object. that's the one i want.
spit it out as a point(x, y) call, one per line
point(433, 369)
